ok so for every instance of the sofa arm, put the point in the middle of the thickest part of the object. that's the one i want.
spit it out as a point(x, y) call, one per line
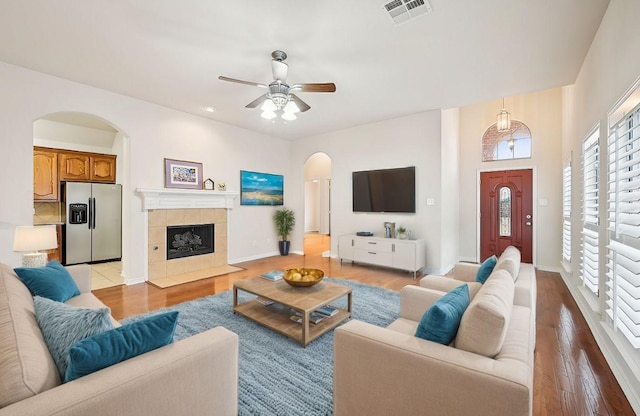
point(378, 371)
point(465, 272)
point(81, 274)
point(195, 376)
point(415, 300)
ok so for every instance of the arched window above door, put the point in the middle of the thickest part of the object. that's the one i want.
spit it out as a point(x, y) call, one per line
point(512, 144)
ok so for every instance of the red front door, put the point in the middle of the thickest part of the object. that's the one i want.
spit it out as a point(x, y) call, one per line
point(506, 212)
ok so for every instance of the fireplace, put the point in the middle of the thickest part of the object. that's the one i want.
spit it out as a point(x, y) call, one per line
point(190, 240)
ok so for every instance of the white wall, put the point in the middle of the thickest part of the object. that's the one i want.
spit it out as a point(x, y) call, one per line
point(406, 141)
point(542, 113)
point(152, 133)
point(450, 184)
point(611, 67)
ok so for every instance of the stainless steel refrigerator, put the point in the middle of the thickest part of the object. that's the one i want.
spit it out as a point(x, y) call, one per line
point(92, 222)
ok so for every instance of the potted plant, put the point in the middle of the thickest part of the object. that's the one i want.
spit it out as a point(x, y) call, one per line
point(285, 219)
point(402, 233)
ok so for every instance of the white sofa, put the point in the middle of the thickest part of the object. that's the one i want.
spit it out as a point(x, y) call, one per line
point(195, 376)
point(487, 370)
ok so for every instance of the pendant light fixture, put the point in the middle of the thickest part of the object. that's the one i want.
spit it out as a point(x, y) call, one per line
point(504, 120)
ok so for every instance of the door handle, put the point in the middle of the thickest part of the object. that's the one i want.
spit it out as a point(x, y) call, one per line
point(528, 223)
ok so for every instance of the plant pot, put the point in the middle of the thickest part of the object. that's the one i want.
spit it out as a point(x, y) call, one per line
point(402, 236)
point(284, 247)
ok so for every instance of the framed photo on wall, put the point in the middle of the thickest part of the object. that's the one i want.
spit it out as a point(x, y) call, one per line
point(258, 188)
point(182, 174)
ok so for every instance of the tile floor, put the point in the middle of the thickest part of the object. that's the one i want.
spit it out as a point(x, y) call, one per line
point(106, 275)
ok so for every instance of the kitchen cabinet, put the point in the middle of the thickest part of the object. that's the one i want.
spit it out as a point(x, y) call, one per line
point(45, 175)
point(50, 166)
point(87, 167)
point(388, 252)
point(56, 253)
point(103, 168)
point(74, 166)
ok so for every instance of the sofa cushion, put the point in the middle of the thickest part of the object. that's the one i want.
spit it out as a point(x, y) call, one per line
point(119, 344)
point(26, 367)
point(485, 322)
point(486, 268)
point(510, 261)
point(441, 321)
point(52, 281)
point(63, 325)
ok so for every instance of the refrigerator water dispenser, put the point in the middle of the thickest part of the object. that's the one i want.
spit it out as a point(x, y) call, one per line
point(77, 213)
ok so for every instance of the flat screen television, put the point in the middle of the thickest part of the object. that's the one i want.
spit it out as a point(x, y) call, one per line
point(385, 190)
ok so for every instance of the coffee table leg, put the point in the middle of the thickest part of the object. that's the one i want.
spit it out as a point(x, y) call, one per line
point(235, 299)
point(349, 300)
point(305, 328)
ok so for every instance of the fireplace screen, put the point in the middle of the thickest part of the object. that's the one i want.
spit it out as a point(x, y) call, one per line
point(189, 240)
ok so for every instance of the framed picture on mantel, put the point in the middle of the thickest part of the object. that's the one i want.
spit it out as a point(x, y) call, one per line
point(182, 174)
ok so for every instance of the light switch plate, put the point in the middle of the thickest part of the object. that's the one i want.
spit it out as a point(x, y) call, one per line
point(431, 201)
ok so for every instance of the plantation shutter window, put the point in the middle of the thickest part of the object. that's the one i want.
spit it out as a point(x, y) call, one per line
point(622, 297)
point(566, 213)
point(590, 212)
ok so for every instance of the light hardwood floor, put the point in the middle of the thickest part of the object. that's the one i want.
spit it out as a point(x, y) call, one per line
point(571, 375)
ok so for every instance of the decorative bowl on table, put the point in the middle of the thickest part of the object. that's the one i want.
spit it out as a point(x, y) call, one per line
point(303, 277)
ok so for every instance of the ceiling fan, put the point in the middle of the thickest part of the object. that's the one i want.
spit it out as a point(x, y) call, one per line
point(279, 96)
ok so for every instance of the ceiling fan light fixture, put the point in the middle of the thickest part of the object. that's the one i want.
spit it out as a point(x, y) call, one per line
point(288, 116)
point(269, 106)
point(291, 107)
point(268, 115)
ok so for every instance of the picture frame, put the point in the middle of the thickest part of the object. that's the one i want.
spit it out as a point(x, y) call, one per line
point(208, 184)
point(257, 188)
point(182, 174)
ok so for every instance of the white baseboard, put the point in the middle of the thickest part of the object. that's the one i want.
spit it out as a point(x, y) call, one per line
point(134, 281)
point(468, 259)
point(613, 353)
point(550, 269)
point(256, 257)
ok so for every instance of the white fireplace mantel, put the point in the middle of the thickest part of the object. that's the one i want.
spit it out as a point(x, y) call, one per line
point(168, 198)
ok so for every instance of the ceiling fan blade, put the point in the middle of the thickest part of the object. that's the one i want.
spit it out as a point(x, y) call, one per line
point(239, 81)
point(279, 70)
point(257, 101)
point(302, 106)
point(315, 87)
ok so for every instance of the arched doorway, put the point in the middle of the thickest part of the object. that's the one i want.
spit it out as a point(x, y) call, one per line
point(317, 204)
point(78, 142)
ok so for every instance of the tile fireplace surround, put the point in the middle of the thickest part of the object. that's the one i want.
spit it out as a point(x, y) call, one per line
point(169, 207)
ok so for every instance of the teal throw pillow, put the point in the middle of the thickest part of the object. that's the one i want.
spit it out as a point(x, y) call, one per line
point(120, 344)
point(441, 321)
point(52, 281)
point(486, 268)
point(64, 325)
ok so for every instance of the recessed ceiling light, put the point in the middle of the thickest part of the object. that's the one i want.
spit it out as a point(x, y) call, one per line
point(209, 109)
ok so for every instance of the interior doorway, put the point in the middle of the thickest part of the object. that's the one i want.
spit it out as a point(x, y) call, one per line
point(84, 133)
point(506, 212)
point(317, 201)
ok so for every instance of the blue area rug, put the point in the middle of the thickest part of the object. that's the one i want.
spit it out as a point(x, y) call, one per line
point(277, 376)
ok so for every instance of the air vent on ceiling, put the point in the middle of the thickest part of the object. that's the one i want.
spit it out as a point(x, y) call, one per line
point(401, 11)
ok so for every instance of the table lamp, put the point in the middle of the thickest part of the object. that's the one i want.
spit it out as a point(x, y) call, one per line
point(31, 238)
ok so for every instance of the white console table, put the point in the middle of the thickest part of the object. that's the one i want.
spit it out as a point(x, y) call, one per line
point(389, 252)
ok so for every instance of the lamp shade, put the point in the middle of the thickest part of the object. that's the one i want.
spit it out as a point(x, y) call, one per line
point(34, 238)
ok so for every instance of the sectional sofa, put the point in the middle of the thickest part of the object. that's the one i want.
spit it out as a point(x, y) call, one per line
point(194, 376)
point(487, 369)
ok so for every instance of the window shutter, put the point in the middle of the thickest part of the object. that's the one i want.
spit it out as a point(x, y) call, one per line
point(590, 212)
point(566, 213)
point(622, 297)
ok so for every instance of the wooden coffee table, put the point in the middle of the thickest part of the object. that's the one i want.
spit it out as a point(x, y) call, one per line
point(302, 299)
